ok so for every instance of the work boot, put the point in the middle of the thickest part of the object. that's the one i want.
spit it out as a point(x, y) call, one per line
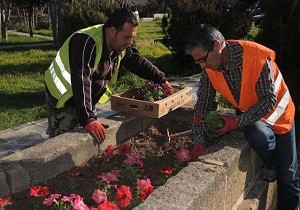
point(268, 174)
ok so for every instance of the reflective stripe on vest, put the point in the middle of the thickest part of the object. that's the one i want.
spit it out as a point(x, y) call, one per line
point(284, 101)
point(58, 75)
point(281, 116)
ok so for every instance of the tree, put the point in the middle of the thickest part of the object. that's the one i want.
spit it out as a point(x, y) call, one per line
point(4, 17)
point(281, 32)
point(29, 6)
point(55, 8)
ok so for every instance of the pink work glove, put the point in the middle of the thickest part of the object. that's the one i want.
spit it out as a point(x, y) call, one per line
point(168, 88)
point(230, 124)
point(96, 129)
point(197, 150)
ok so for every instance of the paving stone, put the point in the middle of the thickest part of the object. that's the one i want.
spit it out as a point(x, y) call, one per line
point(30, 140)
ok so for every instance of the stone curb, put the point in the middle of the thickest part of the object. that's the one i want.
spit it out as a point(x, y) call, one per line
point(46, 160)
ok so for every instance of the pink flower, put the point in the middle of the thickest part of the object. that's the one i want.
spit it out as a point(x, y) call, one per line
point(153, 144)
point(141, 183)
point(74, 172)
point(79, 204)
point(123, 196)
point(99, 196)
point(133, 159)
point(52, 198)
point(110, 176)
point(166, 169)
point(107, 205)
point(124, 149)
point(167, 149)
point(39, 191)
point(183, 155)
point(69, 198)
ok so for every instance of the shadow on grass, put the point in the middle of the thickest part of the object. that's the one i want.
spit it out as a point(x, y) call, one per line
point(21, 100)
point(24, 69)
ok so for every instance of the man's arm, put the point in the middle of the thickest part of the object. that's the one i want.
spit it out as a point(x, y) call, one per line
point(142, 67)
point(205, 102)
point(82, 55)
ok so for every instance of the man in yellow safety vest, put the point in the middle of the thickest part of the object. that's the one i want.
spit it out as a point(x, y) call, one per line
point(85, 71)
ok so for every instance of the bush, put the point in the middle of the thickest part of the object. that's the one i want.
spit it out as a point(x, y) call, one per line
point(234, 22)
point(77, 16)
point(42, 25)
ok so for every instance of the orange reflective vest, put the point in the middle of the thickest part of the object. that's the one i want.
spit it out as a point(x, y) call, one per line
point(255, 55)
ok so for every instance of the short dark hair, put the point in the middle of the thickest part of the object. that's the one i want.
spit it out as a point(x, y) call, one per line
point(121, 16)
point(204, 36)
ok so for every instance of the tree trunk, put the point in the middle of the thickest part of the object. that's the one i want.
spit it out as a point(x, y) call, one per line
point(53, 10)
point(30, 14)
point(4, 16)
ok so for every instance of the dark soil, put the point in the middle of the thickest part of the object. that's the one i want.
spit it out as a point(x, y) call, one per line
point(87, 181)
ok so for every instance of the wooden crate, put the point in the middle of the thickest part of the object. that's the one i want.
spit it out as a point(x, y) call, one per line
point(129, 102)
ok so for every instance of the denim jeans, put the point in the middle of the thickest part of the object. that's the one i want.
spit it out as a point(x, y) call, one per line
point(278, 151)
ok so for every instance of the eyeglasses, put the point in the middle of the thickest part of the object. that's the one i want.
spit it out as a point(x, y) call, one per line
point(202, 59)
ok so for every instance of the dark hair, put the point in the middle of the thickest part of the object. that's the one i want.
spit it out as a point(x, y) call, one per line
point(121, 16)
point(204, 36)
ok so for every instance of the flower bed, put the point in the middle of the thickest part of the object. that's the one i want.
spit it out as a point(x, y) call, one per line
point(121, 177)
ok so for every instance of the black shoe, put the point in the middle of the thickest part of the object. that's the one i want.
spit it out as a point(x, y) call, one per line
point(268, 174)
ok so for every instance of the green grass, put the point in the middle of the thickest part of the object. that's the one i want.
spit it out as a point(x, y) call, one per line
point(21, 75)
point(253, 32)
point(17, 39)
point(22, 86)
point(149, 30)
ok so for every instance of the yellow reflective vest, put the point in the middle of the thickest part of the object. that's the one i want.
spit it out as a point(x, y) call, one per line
point(58, 75)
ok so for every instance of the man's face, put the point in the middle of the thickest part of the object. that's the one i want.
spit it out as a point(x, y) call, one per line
point(207, 59)
point(122, 39)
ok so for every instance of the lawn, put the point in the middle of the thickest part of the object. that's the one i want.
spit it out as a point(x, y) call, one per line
point(22, 71)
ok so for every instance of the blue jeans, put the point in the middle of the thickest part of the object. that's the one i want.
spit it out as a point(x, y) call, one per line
point(279, 151)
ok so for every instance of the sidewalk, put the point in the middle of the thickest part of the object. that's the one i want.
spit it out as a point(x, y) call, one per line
point(7, 47)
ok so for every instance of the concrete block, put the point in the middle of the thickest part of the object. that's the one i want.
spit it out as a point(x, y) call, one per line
point(4, 186)
point(17, 177)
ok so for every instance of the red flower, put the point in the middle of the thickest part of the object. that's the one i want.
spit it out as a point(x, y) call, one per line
point(166, 169)
point(107, 205)
point(141, 183)
point(39, 191)
point(183, 155)
point(124, 149)
point(109, 153)
point(123, 196)
point(110, 150)
point(5, 201)
point(145, 192)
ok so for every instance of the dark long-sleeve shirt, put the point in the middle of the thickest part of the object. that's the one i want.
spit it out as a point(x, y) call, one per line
point(88, 86)
point(233, 75)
